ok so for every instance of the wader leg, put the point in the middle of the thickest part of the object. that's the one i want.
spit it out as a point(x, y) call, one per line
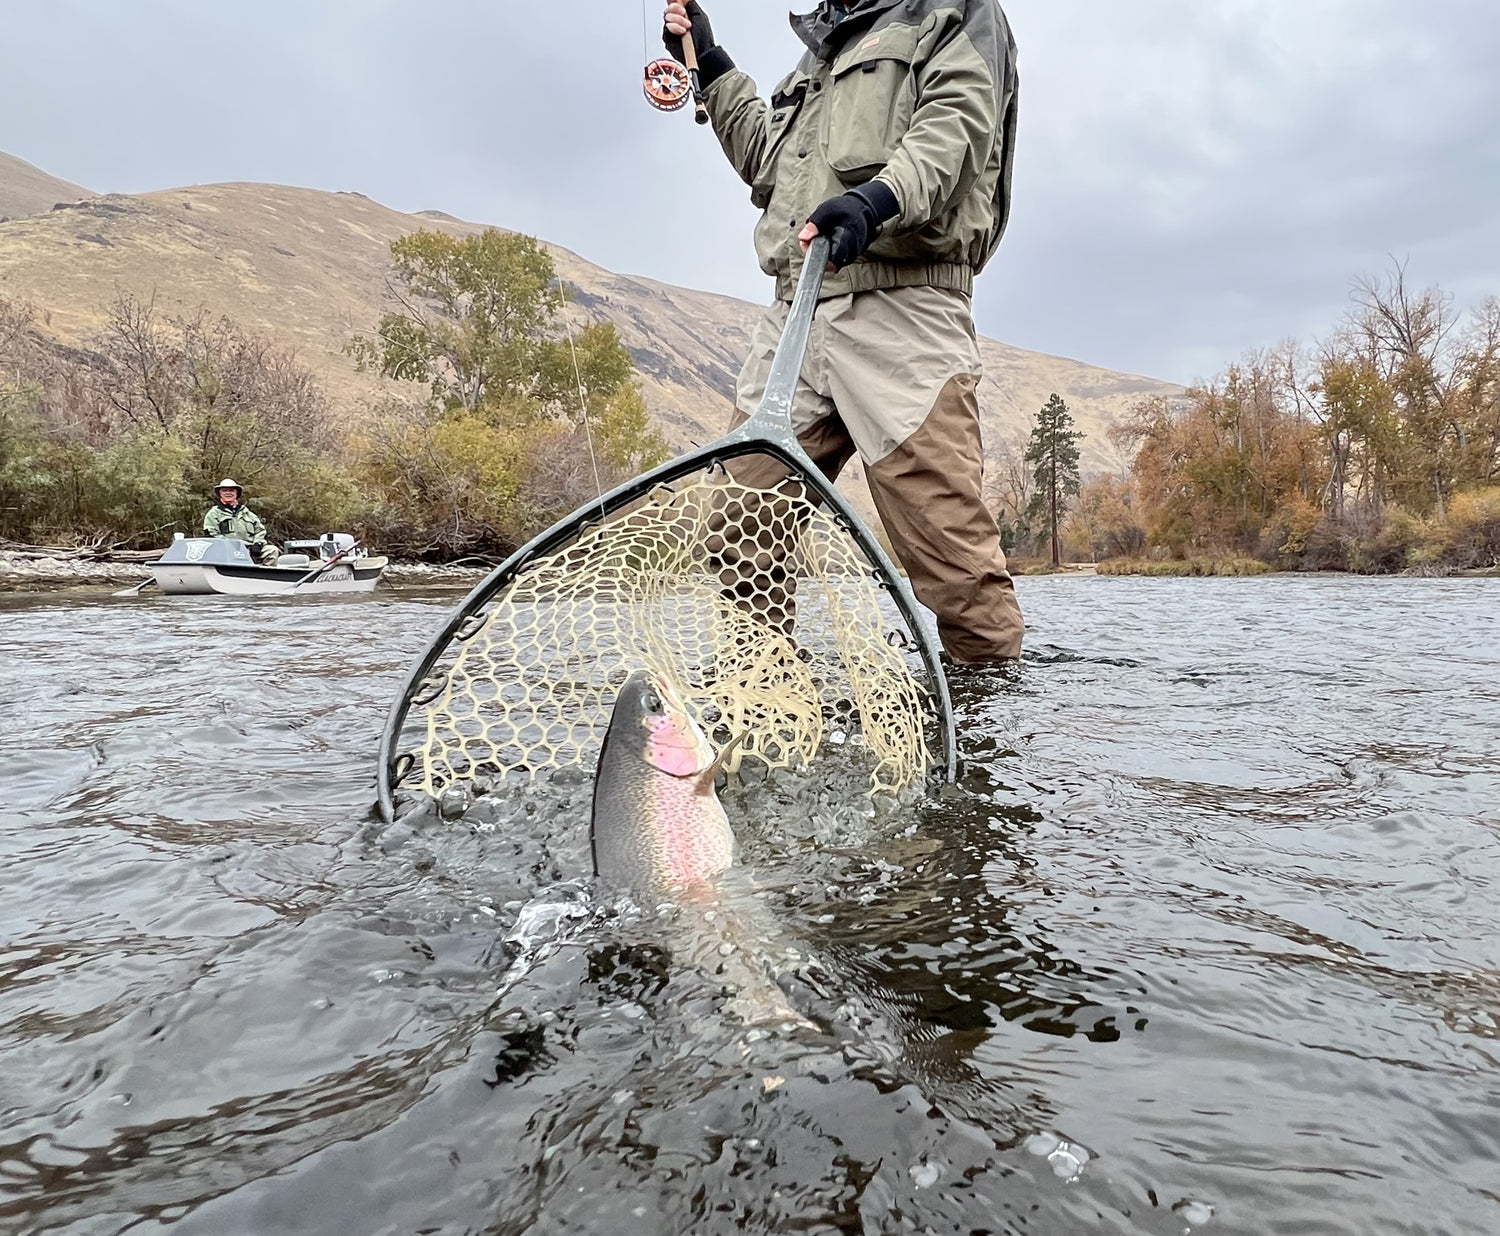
point(928, 493)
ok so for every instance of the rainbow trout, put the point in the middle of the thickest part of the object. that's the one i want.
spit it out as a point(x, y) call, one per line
point(659, 831)
point(658, 825)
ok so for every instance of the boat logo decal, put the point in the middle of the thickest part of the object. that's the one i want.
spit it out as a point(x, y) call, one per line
point(196, 550)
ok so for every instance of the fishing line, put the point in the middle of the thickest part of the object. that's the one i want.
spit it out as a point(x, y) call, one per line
point(583, 411)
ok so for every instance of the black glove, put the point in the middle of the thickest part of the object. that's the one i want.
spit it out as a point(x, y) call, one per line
point(713, 60)
point(853, 220)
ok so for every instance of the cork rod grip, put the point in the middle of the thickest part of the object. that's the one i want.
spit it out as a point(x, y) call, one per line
point(690, 58)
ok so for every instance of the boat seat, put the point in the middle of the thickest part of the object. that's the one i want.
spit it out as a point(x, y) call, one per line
point(301, 561)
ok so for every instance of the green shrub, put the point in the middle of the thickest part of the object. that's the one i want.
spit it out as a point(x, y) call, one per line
point(57, 490)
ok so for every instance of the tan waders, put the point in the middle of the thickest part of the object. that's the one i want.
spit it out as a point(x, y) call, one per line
point(891, 373)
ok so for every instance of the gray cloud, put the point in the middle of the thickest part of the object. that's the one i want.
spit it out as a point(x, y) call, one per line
point(1194, 178)
point(1200, 178)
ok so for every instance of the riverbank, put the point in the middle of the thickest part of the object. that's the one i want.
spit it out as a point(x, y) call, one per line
point(28, 572)
point(1169, 568)
point(1236, 567)
point(1205, 568)
point(1230, 567)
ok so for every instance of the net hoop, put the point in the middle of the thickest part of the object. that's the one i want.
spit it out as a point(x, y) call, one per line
point(768, 433)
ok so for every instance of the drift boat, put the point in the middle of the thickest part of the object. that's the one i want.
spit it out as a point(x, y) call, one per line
point(202, 565)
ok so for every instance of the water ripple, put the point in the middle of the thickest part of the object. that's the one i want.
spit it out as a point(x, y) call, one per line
point(1203, 940)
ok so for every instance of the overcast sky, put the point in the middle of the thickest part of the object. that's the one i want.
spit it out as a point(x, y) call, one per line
point(1195, 177)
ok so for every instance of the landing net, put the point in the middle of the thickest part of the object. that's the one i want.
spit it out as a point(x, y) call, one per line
point(757, 604)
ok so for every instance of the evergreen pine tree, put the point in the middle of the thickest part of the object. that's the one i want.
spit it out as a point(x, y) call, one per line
point(1053, 451)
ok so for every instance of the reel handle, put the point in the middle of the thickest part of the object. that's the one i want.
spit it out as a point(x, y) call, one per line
point(690, 58)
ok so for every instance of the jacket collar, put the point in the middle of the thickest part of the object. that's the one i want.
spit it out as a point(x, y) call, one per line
point(829, 24)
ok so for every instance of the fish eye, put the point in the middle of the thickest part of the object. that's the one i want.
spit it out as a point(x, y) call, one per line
point(651, 701)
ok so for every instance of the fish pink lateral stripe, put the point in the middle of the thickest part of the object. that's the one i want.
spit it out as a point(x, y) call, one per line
point(690, 853)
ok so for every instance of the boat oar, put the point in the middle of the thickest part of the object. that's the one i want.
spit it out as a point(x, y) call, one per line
point(136, 591)
point(319, 569)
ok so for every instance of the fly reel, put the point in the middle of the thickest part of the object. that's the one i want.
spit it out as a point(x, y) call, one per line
point(667, 85)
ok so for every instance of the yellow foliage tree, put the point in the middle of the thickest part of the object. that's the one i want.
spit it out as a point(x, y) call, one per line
point(515, 397)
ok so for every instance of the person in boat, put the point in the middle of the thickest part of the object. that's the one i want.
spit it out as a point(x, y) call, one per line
point(894, 136)
point(231, 517)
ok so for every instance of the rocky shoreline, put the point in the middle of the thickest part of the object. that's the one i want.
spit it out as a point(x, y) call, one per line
point(29, 573)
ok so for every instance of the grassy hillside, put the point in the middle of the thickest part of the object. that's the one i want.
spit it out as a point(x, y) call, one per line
point(307, 268)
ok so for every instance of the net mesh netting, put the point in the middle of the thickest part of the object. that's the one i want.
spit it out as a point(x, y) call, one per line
point(759, 607)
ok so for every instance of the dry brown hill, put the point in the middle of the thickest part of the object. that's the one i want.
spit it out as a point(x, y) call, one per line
point(27, 190)
point(307, 267)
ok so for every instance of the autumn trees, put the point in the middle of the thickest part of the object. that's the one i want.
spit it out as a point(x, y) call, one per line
point(501, 414)
point(1215, 470)
point(121, 440)
point(1410, 398)
point(1406, 398)
point(523, 417)
point(1376, 449)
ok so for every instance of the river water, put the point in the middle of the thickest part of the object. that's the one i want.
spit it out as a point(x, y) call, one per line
point(1204, 941)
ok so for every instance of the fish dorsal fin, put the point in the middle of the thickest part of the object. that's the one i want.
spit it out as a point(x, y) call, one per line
point(705, 779)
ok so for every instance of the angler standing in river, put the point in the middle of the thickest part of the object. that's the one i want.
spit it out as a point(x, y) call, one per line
point(894, 136)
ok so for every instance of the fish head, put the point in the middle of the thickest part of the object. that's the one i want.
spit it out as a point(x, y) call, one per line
point(651, 718)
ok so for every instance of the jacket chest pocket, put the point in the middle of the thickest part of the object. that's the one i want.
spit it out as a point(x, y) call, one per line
point(871, 105)
point(786, 106)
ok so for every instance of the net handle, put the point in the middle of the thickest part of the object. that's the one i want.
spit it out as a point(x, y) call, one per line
point(774, 416)
point(768, 432)
point(772, 424)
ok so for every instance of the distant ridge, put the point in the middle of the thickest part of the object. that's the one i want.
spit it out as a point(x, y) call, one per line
point(308, 268)
point(27, 190)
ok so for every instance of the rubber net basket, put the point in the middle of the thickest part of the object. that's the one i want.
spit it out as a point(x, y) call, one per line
point(774, 613)
point(757, 604)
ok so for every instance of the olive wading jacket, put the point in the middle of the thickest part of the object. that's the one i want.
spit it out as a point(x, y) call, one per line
point(239, 521)
point(920, 94)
